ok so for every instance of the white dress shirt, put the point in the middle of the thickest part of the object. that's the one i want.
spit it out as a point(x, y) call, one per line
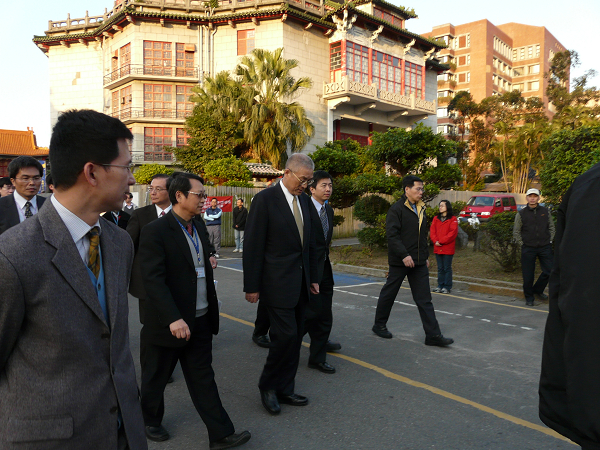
point(290, 198)
point(20, 201)
point(166, 210)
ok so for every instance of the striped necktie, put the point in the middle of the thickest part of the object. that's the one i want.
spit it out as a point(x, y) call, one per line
point(323, 217)
point(28, 212)
point(93, 254)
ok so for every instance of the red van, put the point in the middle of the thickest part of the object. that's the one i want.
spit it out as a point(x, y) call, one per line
point(484, 206)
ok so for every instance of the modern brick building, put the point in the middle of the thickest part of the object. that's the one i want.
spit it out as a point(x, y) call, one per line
point(487, 60)
point(140, 60)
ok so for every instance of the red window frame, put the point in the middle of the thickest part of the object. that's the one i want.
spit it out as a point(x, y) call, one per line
point(335, 59)
point(121, 103)
point(413, 79)
point(386, 72)
point(158, 100)
point(158, 58)
point(155, 139)
point(182, 137)
point(184, 106)
point(245, 41)
point(357, 62)
point(184, 61)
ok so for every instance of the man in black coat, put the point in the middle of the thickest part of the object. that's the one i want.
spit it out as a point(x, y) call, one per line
point(120, 218)
point(161, 205)
point(569, 387)
point(408, 253)
point(240, 215)
point(26, 175)
point(280, 269)
point(182, 314)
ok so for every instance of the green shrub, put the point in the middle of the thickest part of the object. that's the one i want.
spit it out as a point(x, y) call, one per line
point(467, 228)
point(145, 173)
point(498, 241)
point(374, 236)
point(238, 183)
point(220, 171)
point(369, 208)
point(338, 219)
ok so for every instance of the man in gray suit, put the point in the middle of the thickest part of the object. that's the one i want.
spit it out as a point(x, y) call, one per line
point(67, 378)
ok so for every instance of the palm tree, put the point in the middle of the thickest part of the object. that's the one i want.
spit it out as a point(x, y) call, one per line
point(271, 124)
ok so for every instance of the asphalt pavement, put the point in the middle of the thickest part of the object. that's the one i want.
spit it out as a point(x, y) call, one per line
point(396, 394)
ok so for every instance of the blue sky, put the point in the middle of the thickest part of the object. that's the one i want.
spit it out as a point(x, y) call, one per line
point(24, 75)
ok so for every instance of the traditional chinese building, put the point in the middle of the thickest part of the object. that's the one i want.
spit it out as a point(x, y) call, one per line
point(15, 143)
point(140, 60)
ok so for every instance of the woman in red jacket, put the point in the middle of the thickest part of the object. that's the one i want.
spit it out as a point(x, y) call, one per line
point(443, 232)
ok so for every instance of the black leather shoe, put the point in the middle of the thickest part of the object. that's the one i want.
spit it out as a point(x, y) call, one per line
point(269, 401)
point(294, 399)
point(541, 297)
point(233, 440)
point(382, 331)
point(439, 340)
point(157, 434)
point(323, 367)
point(262, 341)
point(332, 346)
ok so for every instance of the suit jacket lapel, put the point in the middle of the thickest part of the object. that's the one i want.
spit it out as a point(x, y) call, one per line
point(329, 236)
point(304, 204)
point(67, 259)
point(283, 205)
point(113, 270)
point(179, 237)
point(13, 214)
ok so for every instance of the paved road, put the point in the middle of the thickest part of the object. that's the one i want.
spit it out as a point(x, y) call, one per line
point(396, 394)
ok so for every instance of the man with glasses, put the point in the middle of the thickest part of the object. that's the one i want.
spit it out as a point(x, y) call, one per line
point(160, 206)
point(280, 269)
point(26, 175)
point(182, 314)
point(408, 253)
point(6, 187)
point(67, 375)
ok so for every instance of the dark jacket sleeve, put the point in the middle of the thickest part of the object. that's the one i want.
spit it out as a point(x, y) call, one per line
point(393, 228)
point(255, 238)
point(133, 228)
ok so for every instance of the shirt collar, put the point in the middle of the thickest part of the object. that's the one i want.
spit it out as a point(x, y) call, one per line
point(289, 197)
point(317, 204)
point(77, 227)
point(180, 220)
point(166, 210)
point(20, 200)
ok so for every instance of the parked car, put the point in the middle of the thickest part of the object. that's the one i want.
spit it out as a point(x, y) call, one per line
point(484, 206)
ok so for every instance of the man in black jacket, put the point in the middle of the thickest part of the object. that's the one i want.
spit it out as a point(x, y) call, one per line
point(182, 314)
point(408, 253)
point(534, 231)
point(240, 214)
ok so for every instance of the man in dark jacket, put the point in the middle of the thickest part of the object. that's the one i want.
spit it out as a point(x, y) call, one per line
point(569, 387)
point(408, 253)
point(534, 231)
point(240, 214)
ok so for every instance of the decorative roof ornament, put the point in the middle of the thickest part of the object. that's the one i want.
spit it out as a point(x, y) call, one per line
point(343, 24)
point(430, 53)
point(408, 46)
point(376, 33)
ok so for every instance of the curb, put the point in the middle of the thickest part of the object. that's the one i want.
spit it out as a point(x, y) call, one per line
point(490, 287)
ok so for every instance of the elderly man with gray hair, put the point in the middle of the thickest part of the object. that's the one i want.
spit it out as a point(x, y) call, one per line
point(280, 269)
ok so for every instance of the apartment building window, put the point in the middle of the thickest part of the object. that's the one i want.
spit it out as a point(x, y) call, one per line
point(537, 50)
point(184, 60)
point(465, 77)
point(514, 55)
point(121, 103)
point(518, 71)
point(517, 87)
point(158, 58)
point(357, 64)
point(155, 140)
point(442, 112)
point(413, 79)
point(464, 41)
point(245, 42)
point(182, 137)
point(387, 72)
point(533, 69)
point(464, 60)
point(158, 100)
point(183, 104)
point(522, 53)
point(530, 51)
point(534, 85)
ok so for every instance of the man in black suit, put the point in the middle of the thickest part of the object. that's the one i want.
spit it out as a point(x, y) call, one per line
point(26, 175)
point(182, 314)
point(280, 270)
point(120, 218)
point(161, 205)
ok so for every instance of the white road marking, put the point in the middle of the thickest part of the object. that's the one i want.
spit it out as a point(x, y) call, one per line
point(356, 285)
point(506, 324)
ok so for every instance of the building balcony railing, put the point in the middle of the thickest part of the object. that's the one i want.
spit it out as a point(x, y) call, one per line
point(129, 115)
point(362, 92)
point(132, 71)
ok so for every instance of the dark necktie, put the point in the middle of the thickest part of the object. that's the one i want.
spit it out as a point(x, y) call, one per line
point(190, 229)
point(28, 212)
point(323, 216)
point(298, 219)
point(162, 213)
point(93, 254)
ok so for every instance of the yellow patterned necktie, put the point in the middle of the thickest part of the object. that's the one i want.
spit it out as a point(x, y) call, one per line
point(298, 219)
point(93, 254)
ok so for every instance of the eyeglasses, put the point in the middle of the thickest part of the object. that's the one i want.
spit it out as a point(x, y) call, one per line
point(158, 190)
point(129, 166)
point(302, 182)
point(418, 189)
point(200, 195)
point(28, 180)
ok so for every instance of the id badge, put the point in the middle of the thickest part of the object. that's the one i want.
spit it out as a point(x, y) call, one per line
point(200, 272)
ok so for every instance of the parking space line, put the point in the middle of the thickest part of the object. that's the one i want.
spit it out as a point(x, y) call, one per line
point(433, 390)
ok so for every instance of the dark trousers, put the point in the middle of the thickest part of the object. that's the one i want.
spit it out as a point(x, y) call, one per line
point(195, 357)
point(528, 257)
point(287, 329)
point(444, 264)
point(261, 325)
point(319, 317)
point(418, 278)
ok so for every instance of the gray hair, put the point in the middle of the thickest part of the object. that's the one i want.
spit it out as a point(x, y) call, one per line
point(298, 160)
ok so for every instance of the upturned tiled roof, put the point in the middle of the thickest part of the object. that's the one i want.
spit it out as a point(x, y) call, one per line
point(18, 143)
point(263, 169)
